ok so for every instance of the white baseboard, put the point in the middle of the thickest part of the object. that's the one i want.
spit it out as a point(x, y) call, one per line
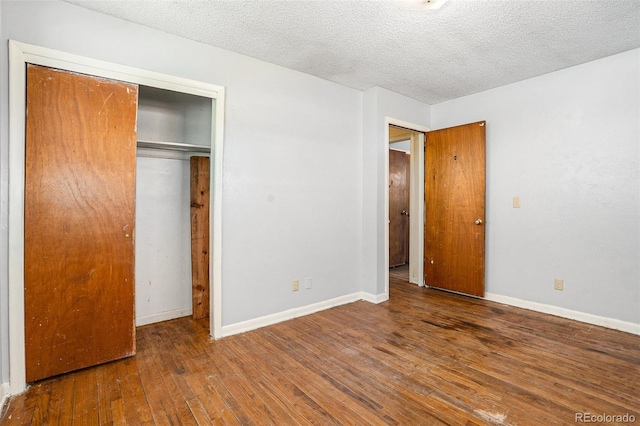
point(612, 323)
point(252, 324)
point(266, 320)
point(163, 316)
point(4, 395)
point(374, 298)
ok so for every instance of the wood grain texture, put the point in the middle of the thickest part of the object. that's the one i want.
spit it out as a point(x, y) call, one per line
point(454, 245)
point(425, 357)
point(79, 219)
point(200, 236)
point(398, 202)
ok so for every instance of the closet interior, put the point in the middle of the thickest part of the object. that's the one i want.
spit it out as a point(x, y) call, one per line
point(172, 128)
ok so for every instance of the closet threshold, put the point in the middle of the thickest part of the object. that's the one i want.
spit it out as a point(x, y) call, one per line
point(175, 146)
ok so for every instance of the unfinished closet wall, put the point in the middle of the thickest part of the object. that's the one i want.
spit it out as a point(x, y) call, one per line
point(171, 128)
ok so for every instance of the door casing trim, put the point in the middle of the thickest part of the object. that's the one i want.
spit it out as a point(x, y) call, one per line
point(19, 55)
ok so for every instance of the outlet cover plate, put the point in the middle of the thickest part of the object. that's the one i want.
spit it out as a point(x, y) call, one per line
point(558, 284)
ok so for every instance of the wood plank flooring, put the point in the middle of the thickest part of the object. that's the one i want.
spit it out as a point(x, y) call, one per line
point(424, 357)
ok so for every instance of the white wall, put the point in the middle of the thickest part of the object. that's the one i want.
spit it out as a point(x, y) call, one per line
point(167, 116)
point(567, 143)
point(380, 104)
point(163, 237)
point(401, 146)
point(292, 165)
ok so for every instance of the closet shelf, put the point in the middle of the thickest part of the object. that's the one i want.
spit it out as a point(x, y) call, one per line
point(175, 146)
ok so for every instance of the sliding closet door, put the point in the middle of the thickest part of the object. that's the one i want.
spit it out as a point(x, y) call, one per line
point(79, 219)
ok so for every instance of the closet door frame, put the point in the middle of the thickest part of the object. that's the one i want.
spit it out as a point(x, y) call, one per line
point(20, 54)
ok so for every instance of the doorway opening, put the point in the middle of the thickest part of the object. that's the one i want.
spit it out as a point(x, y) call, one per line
point(405, 201)
point(174, 130)
point(447, 253)
point(399, 189)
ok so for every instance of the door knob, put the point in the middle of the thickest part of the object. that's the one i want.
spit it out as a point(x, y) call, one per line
point(404, 212)
point(478, 222)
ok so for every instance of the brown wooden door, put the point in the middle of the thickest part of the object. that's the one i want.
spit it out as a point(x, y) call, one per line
point(79, 219)
point(398, 208)
point(454, 244)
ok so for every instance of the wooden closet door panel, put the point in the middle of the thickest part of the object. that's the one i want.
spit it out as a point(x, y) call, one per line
point(200, 235)
point(79, 221)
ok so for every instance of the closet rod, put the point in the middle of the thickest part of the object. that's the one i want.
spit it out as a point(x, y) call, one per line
point(176, 146)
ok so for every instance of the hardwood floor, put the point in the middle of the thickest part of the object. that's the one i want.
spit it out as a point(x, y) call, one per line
point(424, 357)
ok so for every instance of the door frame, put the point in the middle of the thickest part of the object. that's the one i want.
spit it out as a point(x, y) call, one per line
point(416, 208)
point(19, 55)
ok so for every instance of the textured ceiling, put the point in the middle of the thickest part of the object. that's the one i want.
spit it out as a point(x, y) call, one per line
point(430, 55)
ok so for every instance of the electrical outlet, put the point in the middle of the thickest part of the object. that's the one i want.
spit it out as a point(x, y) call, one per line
point(308, 283)
point(516, 202)
point(558, 284)
point(295, 285)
